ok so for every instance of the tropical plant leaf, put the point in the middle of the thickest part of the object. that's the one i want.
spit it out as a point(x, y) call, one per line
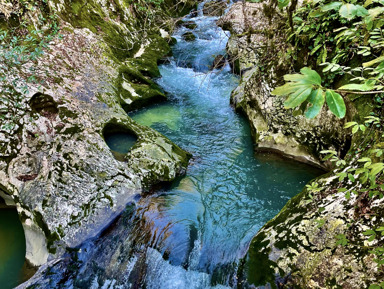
point(316, 100)
point(316, 13)
point(298, 97)
point(361, 11)
point(286, 89)
point(348, 11)
point(376, 168)
point(283, 3)
point(331, 6)
point(335, 103)
point(312, 75)
point(374, 61)
point(358, 87)
point(299, 87)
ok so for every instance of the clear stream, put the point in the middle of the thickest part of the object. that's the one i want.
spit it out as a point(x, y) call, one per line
point(203, 224)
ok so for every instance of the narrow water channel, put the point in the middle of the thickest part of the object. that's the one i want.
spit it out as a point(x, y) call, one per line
point(203, 224)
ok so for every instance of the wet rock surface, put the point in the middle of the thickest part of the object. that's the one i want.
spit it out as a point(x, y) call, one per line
point(189, 24)
point(299, 248)
point(189, 36)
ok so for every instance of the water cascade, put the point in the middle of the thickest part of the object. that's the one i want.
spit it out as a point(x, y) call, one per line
point(203, 224)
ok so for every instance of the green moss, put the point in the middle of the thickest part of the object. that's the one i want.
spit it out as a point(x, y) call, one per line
point(145, 88)
point(90, 15)
point(258, 266)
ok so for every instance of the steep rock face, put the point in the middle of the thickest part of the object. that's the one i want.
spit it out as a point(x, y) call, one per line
point(256, 49)
point(54, 163)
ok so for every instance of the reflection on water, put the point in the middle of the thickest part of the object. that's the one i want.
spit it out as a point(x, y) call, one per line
point(120, 142)
point(12, 249)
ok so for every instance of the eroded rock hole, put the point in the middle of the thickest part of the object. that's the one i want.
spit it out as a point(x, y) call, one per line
point(120, 139)
point(44, 105)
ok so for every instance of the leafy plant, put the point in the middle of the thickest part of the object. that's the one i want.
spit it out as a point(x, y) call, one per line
point(306, 87)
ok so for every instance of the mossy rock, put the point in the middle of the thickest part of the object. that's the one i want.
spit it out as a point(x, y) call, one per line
point(188, 36)
point(189, 24)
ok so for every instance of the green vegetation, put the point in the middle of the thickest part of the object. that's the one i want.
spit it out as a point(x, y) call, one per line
point(343, 53)
point(22, 43)
point(339, 49)
point(345, 42)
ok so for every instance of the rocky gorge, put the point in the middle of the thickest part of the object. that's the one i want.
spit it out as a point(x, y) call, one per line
point(82, 203)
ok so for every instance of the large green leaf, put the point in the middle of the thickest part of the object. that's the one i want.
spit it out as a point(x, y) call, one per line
point(298, 97)
point(331, 6)
point(298, 87)
point(335, 103)
point(316, 101)
point(283, 3)
point(286, 89)
point(361, 11)
point(358, 87)
point(312, 76)
point(374, 12)
point(348, 11)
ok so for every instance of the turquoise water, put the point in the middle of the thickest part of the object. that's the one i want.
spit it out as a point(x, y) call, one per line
point(120, 142)
point(12, 249)
point(203, 224)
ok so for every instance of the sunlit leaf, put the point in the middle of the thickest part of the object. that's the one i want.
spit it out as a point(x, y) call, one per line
point(335, 103)
point(316, 100)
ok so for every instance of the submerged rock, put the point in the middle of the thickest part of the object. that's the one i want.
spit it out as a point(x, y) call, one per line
point(189, 24)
